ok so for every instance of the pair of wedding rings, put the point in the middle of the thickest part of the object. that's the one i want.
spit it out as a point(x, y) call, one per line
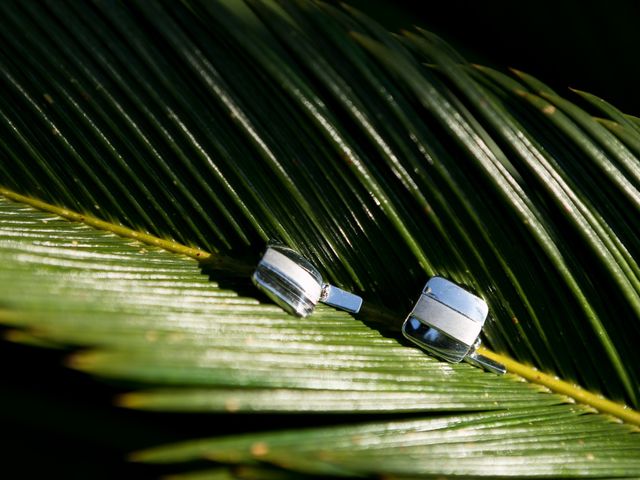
point(446, 321)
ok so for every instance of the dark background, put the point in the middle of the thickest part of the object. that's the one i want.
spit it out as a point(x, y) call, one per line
point(588, 45)
point(61, 424)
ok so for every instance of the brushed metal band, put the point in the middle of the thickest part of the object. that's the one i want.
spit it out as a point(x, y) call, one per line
point(436, 314)
point(293, 271)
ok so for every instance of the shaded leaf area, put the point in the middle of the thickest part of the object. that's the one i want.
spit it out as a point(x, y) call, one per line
point(382, 159)
point(153, 319)
point(253, 472)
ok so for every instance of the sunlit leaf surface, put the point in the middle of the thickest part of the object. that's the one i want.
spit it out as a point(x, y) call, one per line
point(156, 318)
point(153, 317)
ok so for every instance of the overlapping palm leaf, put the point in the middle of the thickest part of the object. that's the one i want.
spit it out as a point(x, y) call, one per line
point(384, 160)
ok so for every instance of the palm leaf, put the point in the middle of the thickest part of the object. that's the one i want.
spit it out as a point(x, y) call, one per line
point(161, 321)
point(212, 127)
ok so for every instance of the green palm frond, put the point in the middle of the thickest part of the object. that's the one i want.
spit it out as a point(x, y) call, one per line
point(459, 446)
point(383, 159)
point(153, 318)
point(160, 320)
